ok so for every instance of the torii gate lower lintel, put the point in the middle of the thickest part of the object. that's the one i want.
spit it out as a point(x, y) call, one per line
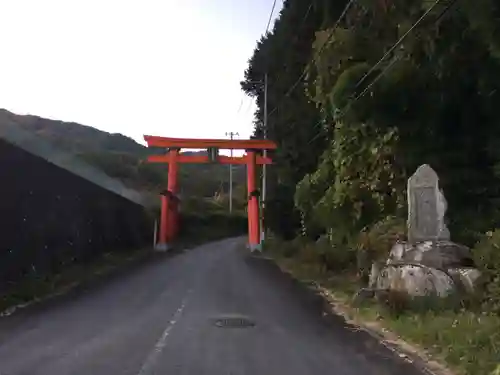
point(169, 202)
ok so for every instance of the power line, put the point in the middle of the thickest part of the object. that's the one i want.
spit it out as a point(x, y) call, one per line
point(389, 66)
point(375, 80)
point(270, 16)
point(351, 103)
point(400, 40)
point(305, 17)
point(294, 86)
point(248, 106)
point(397, 58)
point(342, 15)
point(302, 22)
point(299, 28)
point(267, 29)
point(241, 104)
point(296, 36)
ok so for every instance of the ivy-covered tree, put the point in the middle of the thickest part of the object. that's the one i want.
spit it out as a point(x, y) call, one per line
point(430, 101)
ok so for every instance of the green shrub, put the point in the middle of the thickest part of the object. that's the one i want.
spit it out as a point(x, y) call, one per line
point(328, 253)
point(336, 253)
point(380, 237)
point(394, 302)
point(279, 247)
point(308, 253)
point(375, 242)
point(487, 258)
point(288, 249)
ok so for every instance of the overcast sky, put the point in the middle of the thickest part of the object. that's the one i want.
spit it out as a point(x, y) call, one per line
point(160, 67)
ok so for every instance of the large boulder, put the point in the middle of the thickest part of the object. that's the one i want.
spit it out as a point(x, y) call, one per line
point(427, 268)
point(415, 280)
point(439, 254)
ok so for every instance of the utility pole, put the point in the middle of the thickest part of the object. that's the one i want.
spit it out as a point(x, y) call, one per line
point(264, 175)
point(231, 135)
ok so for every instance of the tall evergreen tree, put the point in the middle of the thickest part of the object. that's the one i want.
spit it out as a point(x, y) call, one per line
point(294, 121)
point(351, 127)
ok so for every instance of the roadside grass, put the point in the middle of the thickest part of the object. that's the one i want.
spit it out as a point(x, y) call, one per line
point(34, 287)
point(466, 342)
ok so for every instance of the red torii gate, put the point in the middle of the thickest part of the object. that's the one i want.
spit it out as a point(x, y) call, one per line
point(169, 201)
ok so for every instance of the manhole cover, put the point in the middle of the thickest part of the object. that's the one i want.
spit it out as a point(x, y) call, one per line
point(234, 322)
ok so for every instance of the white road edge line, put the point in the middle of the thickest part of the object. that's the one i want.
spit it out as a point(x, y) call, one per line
point(152, 358)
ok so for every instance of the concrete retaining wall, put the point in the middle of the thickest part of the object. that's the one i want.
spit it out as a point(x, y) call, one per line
point(55, 209)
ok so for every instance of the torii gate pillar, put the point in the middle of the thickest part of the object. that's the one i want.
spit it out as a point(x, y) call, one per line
point(169, 204)
point(253, 204)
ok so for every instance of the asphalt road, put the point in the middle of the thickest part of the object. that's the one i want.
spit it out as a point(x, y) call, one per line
point(161, 319)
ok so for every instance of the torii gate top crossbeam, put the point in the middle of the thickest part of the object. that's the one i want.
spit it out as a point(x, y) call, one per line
point(235, 144)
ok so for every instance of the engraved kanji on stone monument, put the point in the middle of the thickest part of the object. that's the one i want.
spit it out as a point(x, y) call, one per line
point(426, 207)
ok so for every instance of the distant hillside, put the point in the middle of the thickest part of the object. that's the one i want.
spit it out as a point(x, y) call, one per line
point(123, 158)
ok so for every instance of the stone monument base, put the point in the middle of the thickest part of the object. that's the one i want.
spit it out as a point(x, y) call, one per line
point(437, 268)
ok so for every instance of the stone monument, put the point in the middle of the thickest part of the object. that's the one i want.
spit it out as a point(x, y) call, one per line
point(426, 207)
point(429, 263)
